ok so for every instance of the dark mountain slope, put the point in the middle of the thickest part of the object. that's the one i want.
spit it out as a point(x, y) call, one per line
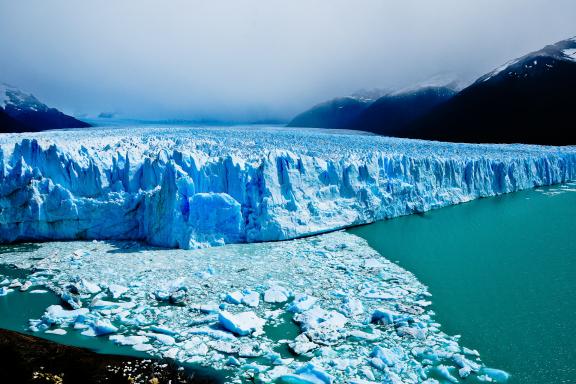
point(390, 114)
point(31, 114)
point(529, 100)
point(338, 112)
point(8, 124)
point(335, 113)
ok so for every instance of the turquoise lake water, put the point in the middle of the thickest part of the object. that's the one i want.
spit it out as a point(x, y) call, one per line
point(502, 272)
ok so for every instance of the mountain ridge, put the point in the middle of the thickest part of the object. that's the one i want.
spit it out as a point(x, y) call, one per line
point(23, 112)
point(527, 100)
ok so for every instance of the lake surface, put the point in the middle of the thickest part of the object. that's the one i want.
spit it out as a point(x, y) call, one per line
point(502, 272)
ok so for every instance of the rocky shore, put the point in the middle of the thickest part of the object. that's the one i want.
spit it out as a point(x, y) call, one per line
point(29, 359)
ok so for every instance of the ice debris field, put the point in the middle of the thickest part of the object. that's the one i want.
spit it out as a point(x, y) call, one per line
point(324, 309)
point(194, 187)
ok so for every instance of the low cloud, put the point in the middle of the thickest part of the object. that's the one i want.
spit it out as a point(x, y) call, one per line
point(248, 59)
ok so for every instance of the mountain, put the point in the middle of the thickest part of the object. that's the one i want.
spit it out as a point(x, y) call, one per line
point(386, 113)
point(528, 100)
point(8, 124)
point(22, 112)
point(338, 112)
point(390, 114)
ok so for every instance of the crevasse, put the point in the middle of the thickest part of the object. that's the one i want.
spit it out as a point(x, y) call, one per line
point(188, 189)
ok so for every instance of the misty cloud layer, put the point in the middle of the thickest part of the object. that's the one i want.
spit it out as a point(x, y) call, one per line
point(254, 59)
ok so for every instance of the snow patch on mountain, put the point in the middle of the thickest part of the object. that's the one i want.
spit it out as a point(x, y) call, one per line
point(547, 56)
point(4, 98)
point(369, 95)
point(570, 53)
point(195, 187)
point(445, 80)
point(18, 100)
point(499, 70)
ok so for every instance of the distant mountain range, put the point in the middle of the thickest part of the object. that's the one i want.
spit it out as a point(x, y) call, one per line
point(386, 113)
point(338, 112)
point(528, 100)
point(390, 114)
point(22, 112)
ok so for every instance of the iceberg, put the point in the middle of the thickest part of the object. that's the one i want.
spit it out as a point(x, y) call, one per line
point(241, 324)
point(5, 290)
point(185, 187)
point(383, 357)
point(103, 327)
point(496, 375)
point(116, 290)
point(320, 325)
point(308, 374)
point(276, 294)
point(56, 314)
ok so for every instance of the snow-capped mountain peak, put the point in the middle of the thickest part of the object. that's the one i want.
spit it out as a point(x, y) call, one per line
point(4, 98)
point(444, 80)
point(368, 95)
point(571, 53)
point(23, 112)
point(14, 98)
point(541, 60)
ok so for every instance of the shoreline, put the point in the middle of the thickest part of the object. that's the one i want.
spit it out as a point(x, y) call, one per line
point(30, 359)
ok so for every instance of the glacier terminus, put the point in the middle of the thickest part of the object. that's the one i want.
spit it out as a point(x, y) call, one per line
point(192, 187)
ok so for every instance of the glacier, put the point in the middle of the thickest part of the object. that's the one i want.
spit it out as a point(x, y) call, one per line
point(192, 187)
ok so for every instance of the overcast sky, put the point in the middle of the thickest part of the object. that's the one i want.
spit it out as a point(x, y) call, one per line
point(256, 58)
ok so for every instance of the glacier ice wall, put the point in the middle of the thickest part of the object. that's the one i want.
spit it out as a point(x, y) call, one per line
point(194, 187)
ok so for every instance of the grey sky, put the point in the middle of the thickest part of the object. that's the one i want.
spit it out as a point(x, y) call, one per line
point(256, 59)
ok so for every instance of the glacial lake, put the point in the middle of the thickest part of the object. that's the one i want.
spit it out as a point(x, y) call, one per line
point(502, 272)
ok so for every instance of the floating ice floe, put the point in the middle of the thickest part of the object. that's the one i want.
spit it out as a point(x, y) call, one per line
point(58, 331)
point(276, 294)
point(39, 291)
point(242, 324)
point(5, 290)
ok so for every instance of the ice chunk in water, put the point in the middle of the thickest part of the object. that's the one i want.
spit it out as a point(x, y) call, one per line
point(308, 374)
point(383, 357)
point(58, 331)
point(497, 375)
point(56, 314)
point(234, 297)
point(117, 290)
point(242, 324)
point(302, 303)
point(5, 290)
point(444, 372)
point(164, 339)
point(320, 322)
point(251, 298)
point(383, 315)
point(276, 294)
